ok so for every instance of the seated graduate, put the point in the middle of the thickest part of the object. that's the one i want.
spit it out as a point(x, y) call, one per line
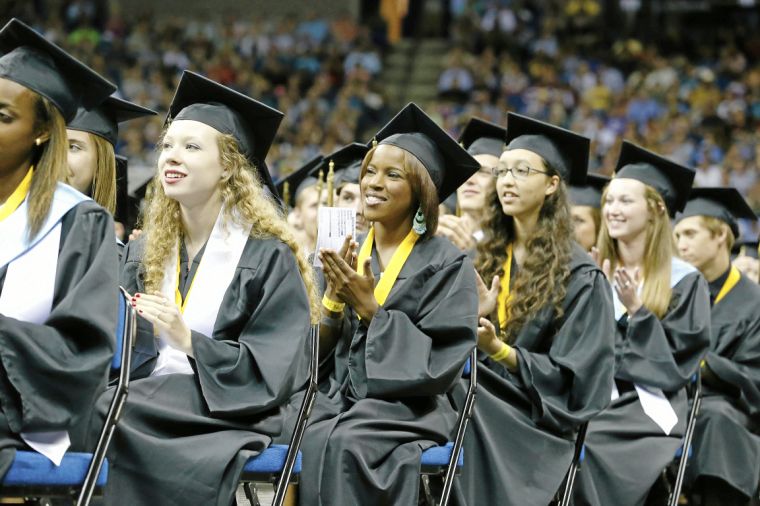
point(290, 190)
point(746, 259)
point(546, 353)
point(725, 466)
point(58, 264)
point(585, 209)
point(347, 163)
point(400, 319)
point(485, 142)
point(92, 135)
point(662, 311)
point(217, 276)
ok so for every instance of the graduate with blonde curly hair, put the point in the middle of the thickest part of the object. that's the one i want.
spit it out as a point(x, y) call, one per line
point(225, 300)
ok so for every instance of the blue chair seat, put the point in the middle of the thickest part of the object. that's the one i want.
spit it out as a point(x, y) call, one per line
point(271, 461)
point(440, 455)
point(31, 469)
point(679, 452)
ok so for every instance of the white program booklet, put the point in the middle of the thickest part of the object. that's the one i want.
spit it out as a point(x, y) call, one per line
point(334, 224)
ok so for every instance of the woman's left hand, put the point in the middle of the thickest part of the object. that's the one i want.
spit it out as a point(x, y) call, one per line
point(358, 291)
point(488, 341)
point(166, 319)
point(627, 288)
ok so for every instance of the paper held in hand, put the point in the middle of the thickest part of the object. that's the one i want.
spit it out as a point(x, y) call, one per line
point(334, 224)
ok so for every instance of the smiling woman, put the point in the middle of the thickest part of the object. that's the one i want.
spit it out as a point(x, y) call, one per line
point(58, 256)
point(225, 300)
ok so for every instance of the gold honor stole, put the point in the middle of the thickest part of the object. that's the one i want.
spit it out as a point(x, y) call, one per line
point(504, 295)
point(388, 278)
point(204, 297)
point(733, 278)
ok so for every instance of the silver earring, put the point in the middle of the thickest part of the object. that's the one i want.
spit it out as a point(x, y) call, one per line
point(419, 226)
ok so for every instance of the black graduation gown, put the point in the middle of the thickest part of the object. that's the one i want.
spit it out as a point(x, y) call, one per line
point(520, 441)
point(625, 450)
point(184, 438)
point(51, 374)
point(727, 436)
point(385, 400)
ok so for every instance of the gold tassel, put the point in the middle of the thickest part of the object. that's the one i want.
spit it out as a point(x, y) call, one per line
point(330, 183)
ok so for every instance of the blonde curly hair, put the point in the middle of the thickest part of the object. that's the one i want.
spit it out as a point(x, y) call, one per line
point(242, 195)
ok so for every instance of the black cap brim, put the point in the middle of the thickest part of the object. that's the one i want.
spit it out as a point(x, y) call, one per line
point(725, 204)
point(671, 180)
point(296, 179)
point(104, 119)
point(346, 163)
point(746, 247)
point(36, 63)
point(252, 123)
point(481, 137)
point(448, 163)
point(566, 151)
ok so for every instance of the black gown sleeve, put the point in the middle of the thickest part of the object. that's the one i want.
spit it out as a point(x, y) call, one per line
point(52, 373)
point(421, 354)
point(268, 361)
point(666, 353)
point(572, 382)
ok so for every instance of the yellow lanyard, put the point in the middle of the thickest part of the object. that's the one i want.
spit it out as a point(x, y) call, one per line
point(17, 197)
point(504, 296)
point(177, 294)
point(733, 277)
point(383, 288)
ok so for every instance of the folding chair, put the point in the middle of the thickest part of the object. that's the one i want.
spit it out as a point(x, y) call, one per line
point(572, 472)
point(33, 477)
point(281, 464)
point(683, 454)
point(448, 460)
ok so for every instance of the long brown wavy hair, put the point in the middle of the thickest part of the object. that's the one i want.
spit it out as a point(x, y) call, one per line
point(658, 253)
point(104, 176)
point(543, 276)
point(49, 161)
point(242, 194)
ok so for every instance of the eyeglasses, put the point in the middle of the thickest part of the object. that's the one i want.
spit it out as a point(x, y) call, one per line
point(519, 172)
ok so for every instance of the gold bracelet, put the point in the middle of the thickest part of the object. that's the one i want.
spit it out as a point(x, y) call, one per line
point(332, 305)
point(502, 353)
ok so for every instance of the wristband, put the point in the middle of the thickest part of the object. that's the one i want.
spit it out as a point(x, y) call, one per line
point(502, 353)
point(332, 305)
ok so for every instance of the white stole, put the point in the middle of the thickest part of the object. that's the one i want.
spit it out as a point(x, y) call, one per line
point(212, 278)
point(653, 401)
point(34, 264)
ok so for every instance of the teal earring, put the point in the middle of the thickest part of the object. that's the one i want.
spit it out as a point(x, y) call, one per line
point(419, 226)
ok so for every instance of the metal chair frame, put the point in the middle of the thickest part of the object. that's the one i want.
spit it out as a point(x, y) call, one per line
point(41, 494)
point(452, 469)
point(286, 477)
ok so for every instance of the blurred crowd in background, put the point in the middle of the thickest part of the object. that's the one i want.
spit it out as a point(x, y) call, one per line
point(691, 93)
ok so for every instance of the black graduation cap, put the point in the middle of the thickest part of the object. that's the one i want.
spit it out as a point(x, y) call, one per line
point(300, 179)
point(347, 163)
point(481, 137)
point(104, 119)
point(564, 150)
point(671, 180)
point(122, 190)
point(726, 204)
point(746, 247)
point(32, 61)
point(448, 163)
point(589, 194)
point(252, 123)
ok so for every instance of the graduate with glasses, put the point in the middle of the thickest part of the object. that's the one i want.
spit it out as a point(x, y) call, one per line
point(399, 317)
point(662, 311)
point(725, 467)
point(545, 336)
point(58, 263)
point(225, 299)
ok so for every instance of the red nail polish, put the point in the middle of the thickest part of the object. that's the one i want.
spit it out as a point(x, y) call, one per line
point(134, 305)
point(138, 295)
point(139, 311)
